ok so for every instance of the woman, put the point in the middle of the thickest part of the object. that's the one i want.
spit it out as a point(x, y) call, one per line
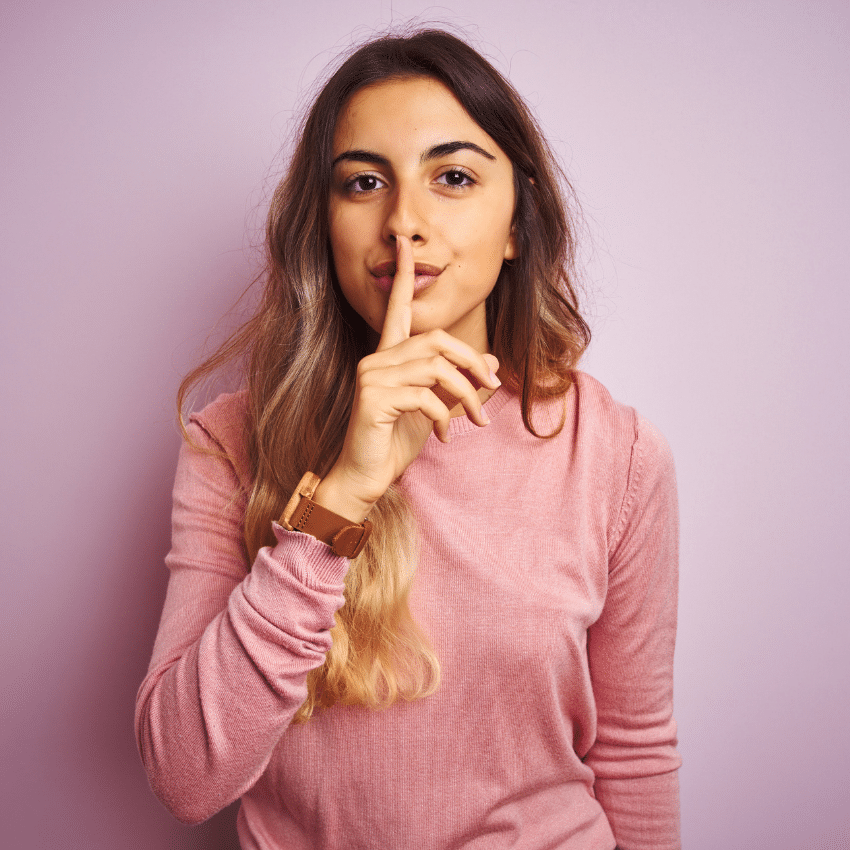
point(411, 400)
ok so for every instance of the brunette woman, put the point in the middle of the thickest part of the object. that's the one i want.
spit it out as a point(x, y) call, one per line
point(423, 572)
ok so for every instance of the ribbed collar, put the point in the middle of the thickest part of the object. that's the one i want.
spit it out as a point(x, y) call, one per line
point(462, 425)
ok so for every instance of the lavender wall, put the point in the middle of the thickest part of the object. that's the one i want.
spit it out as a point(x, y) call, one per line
point(709, 143)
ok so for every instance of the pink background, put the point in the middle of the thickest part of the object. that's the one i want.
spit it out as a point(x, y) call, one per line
point(709, 141)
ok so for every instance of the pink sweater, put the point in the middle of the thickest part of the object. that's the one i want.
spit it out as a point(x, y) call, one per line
point(547, 583)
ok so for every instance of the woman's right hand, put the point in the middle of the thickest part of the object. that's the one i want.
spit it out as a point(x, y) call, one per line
point(404, 390)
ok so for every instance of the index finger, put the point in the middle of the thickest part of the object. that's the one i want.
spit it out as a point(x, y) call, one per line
point(400, 307)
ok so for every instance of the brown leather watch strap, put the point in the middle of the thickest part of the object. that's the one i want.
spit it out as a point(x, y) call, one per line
point(346, 538)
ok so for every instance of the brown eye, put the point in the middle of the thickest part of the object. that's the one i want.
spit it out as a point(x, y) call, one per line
point(456, 178)
point(361, 184)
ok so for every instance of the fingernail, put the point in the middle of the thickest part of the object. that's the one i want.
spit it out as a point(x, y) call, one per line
point(485, 419)
point(494, 379)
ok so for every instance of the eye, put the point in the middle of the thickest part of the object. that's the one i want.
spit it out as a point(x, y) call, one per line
point(456, 178)
point(361, 184)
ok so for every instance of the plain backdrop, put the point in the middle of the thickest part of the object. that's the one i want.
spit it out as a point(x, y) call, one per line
point(708, 142)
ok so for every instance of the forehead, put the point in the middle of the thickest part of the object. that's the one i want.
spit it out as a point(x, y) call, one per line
point(403, 113)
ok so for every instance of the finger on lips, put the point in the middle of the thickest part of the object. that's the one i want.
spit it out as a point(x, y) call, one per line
point(442, 361)
point(399, 308)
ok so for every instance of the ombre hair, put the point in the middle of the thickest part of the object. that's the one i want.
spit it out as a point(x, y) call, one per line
point(301, 348)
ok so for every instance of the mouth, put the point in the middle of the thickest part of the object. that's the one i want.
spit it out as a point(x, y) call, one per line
point(425, 275)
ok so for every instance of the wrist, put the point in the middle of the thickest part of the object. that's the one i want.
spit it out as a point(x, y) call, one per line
point(336, 494)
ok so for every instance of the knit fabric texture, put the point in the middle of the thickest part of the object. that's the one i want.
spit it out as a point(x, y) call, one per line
point(547, 582)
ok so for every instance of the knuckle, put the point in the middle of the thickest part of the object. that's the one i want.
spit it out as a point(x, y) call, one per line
point(364, 366)
point(426, 398)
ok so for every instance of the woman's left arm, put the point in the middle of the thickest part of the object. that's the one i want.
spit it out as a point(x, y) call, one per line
point(630, 652)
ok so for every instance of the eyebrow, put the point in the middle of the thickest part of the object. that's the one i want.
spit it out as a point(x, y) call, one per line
point(449, 148)
point(435, 152)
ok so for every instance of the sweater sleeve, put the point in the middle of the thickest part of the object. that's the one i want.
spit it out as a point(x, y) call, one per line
point(630, 651)
point(234, 646)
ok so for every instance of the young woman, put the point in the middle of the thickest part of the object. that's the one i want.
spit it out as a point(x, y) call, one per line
point(423, 572)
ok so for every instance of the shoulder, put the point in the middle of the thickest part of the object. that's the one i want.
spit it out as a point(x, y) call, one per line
point(633, 457)
point(609, 422)
point(222, 428)
point(624, 457)
point(225, 418)
point(595, 403)
point(602, 425)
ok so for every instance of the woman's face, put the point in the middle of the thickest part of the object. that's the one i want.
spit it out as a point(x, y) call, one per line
point(408, 160)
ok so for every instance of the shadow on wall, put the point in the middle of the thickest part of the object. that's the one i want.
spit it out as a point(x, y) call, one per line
point(218, 833)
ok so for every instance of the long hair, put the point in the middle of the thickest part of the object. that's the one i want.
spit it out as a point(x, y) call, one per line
point(302, 346)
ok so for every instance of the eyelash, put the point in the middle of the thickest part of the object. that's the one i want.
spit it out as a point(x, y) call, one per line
point(352, 182)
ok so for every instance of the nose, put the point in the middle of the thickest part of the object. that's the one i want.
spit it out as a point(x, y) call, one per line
point(406, 215)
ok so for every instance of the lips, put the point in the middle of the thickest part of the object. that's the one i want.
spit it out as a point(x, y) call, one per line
point(425, 275)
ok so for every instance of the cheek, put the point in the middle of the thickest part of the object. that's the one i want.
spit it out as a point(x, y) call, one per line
point(490, 221)
point(480, 241)
point(347, 257)
point(366, 304)
point(339, 237)
point(351, 237)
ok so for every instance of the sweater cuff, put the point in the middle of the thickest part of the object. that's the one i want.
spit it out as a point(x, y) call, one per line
point(310, 559)
point(643, 812)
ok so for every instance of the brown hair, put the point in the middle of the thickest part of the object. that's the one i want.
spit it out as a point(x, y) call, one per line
point(302, 346)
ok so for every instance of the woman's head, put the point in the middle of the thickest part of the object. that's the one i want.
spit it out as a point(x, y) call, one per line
point(536, 276)
point(409, 161)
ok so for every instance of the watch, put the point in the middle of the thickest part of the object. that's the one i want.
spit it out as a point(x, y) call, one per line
point(301, 513)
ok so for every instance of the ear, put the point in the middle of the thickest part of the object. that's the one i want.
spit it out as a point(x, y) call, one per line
point(510, 248)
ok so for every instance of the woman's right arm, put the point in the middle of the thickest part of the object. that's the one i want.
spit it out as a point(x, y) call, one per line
point(234, 647)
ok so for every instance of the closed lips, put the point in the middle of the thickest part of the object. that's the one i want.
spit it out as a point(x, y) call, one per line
point(388, 269)
point(425, 274)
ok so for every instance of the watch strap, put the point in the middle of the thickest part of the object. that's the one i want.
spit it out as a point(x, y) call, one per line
point(345, 538)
